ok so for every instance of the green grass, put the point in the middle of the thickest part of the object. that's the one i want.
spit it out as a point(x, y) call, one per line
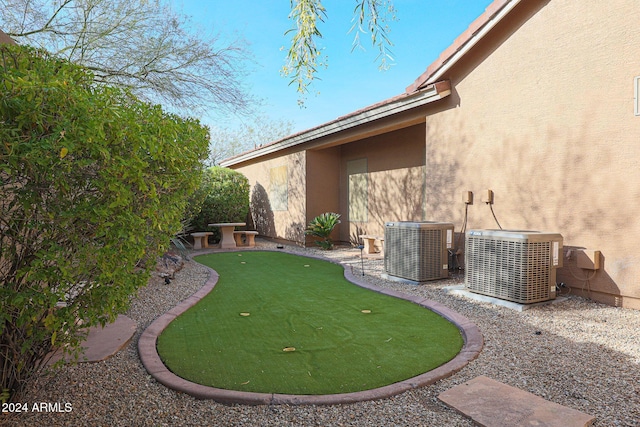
point(306, 304)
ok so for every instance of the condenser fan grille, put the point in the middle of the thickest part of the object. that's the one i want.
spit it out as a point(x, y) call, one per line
point(417, 250)
point(519, 271)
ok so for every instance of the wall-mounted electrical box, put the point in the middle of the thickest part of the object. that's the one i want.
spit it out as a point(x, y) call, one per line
point(488, 197)
point(467, 197)
point(588, 259)
point(636, 95)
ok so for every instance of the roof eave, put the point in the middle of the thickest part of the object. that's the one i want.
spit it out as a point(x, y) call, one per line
point(398, 104)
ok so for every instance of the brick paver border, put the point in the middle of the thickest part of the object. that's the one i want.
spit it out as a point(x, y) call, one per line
point(473, 342)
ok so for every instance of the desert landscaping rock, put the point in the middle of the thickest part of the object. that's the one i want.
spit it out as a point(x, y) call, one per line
point(586, 356)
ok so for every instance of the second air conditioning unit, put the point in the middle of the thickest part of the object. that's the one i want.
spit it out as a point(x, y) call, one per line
point(513, 265)
point(417, 251)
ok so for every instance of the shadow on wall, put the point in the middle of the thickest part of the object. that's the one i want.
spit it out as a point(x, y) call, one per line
point(445, 174)
point(397, 195)
point(296, 207)
point(578, 202)
point(426, 193)
point(295, 232)
point(354, 238)
point(584, 270)
point(574, 176)
point(261, 211)
point(296, 178)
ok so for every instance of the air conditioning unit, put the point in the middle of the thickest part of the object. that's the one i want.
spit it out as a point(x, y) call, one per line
point(513, 265)
point(417, 251)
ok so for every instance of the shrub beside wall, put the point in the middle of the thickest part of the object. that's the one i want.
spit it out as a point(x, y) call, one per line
point(93, 183)
point(223, 196)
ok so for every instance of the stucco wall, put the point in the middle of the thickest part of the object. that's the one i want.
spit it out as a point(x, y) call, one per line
point(395, 179)
point(542, 113)
point(323, 186)
point(286, 224)
point(544, 116)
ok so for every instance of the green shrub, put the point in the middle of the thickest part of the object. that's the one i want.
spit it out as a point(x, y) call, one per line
point(223, 196)
point(321, 227)
point(93, 183)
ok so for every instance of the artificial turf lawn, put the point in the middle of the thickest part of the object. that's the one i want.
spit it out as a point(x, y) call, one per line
point(304, 304)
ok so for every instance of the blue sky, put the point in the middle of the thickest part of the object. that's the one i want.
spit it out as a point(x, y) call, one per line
point(422, 30)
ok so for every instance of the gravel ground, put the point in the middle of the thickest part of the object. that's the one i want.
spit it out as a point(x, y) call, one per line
point(576, 353)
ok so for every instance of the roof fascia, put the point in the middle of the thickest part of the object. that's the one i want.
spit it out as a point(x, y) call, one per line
point(399, 104)
point(493, 14)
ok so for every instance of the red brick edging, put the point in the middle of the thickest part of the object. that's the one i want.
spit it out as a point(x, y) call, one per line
point(473, 342)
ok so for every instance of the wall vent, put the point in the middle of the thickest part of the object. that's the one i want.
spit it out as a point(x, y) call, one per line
point(417, 251)
point(513, 265)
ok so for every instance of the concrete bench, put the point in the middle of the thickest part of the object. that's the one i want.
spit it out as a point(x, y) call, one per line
point(242, 236)
point(370, 243)
point(201, 239)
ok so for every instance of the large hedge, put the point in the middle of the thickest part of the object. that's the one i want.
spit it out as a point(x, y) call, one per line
point(223, 196)
point(93, 184)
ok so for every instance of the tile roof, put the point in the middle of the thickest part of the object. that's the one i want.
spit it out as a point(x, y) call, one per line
point(391, 106)
point(431, 79)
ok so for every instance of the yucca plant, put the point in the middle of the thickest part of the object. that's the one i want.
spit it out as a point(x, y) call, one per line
point(321, 227)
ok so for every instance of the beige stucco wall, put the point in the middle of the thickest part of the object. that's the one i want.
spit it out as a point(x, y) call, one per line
point(543, 115)
point(281, 224)
point(318, 182)
point(541, 112)
point(323, 186)
point(395, 175)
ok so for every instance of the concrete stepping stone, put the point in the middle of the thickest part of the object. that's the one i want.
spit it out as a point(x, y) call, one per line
point(102, 343)
point(493, 404)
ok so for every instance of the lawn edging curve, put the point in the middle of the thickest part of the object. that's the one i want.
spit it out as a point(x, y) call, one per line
point(473, 342)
